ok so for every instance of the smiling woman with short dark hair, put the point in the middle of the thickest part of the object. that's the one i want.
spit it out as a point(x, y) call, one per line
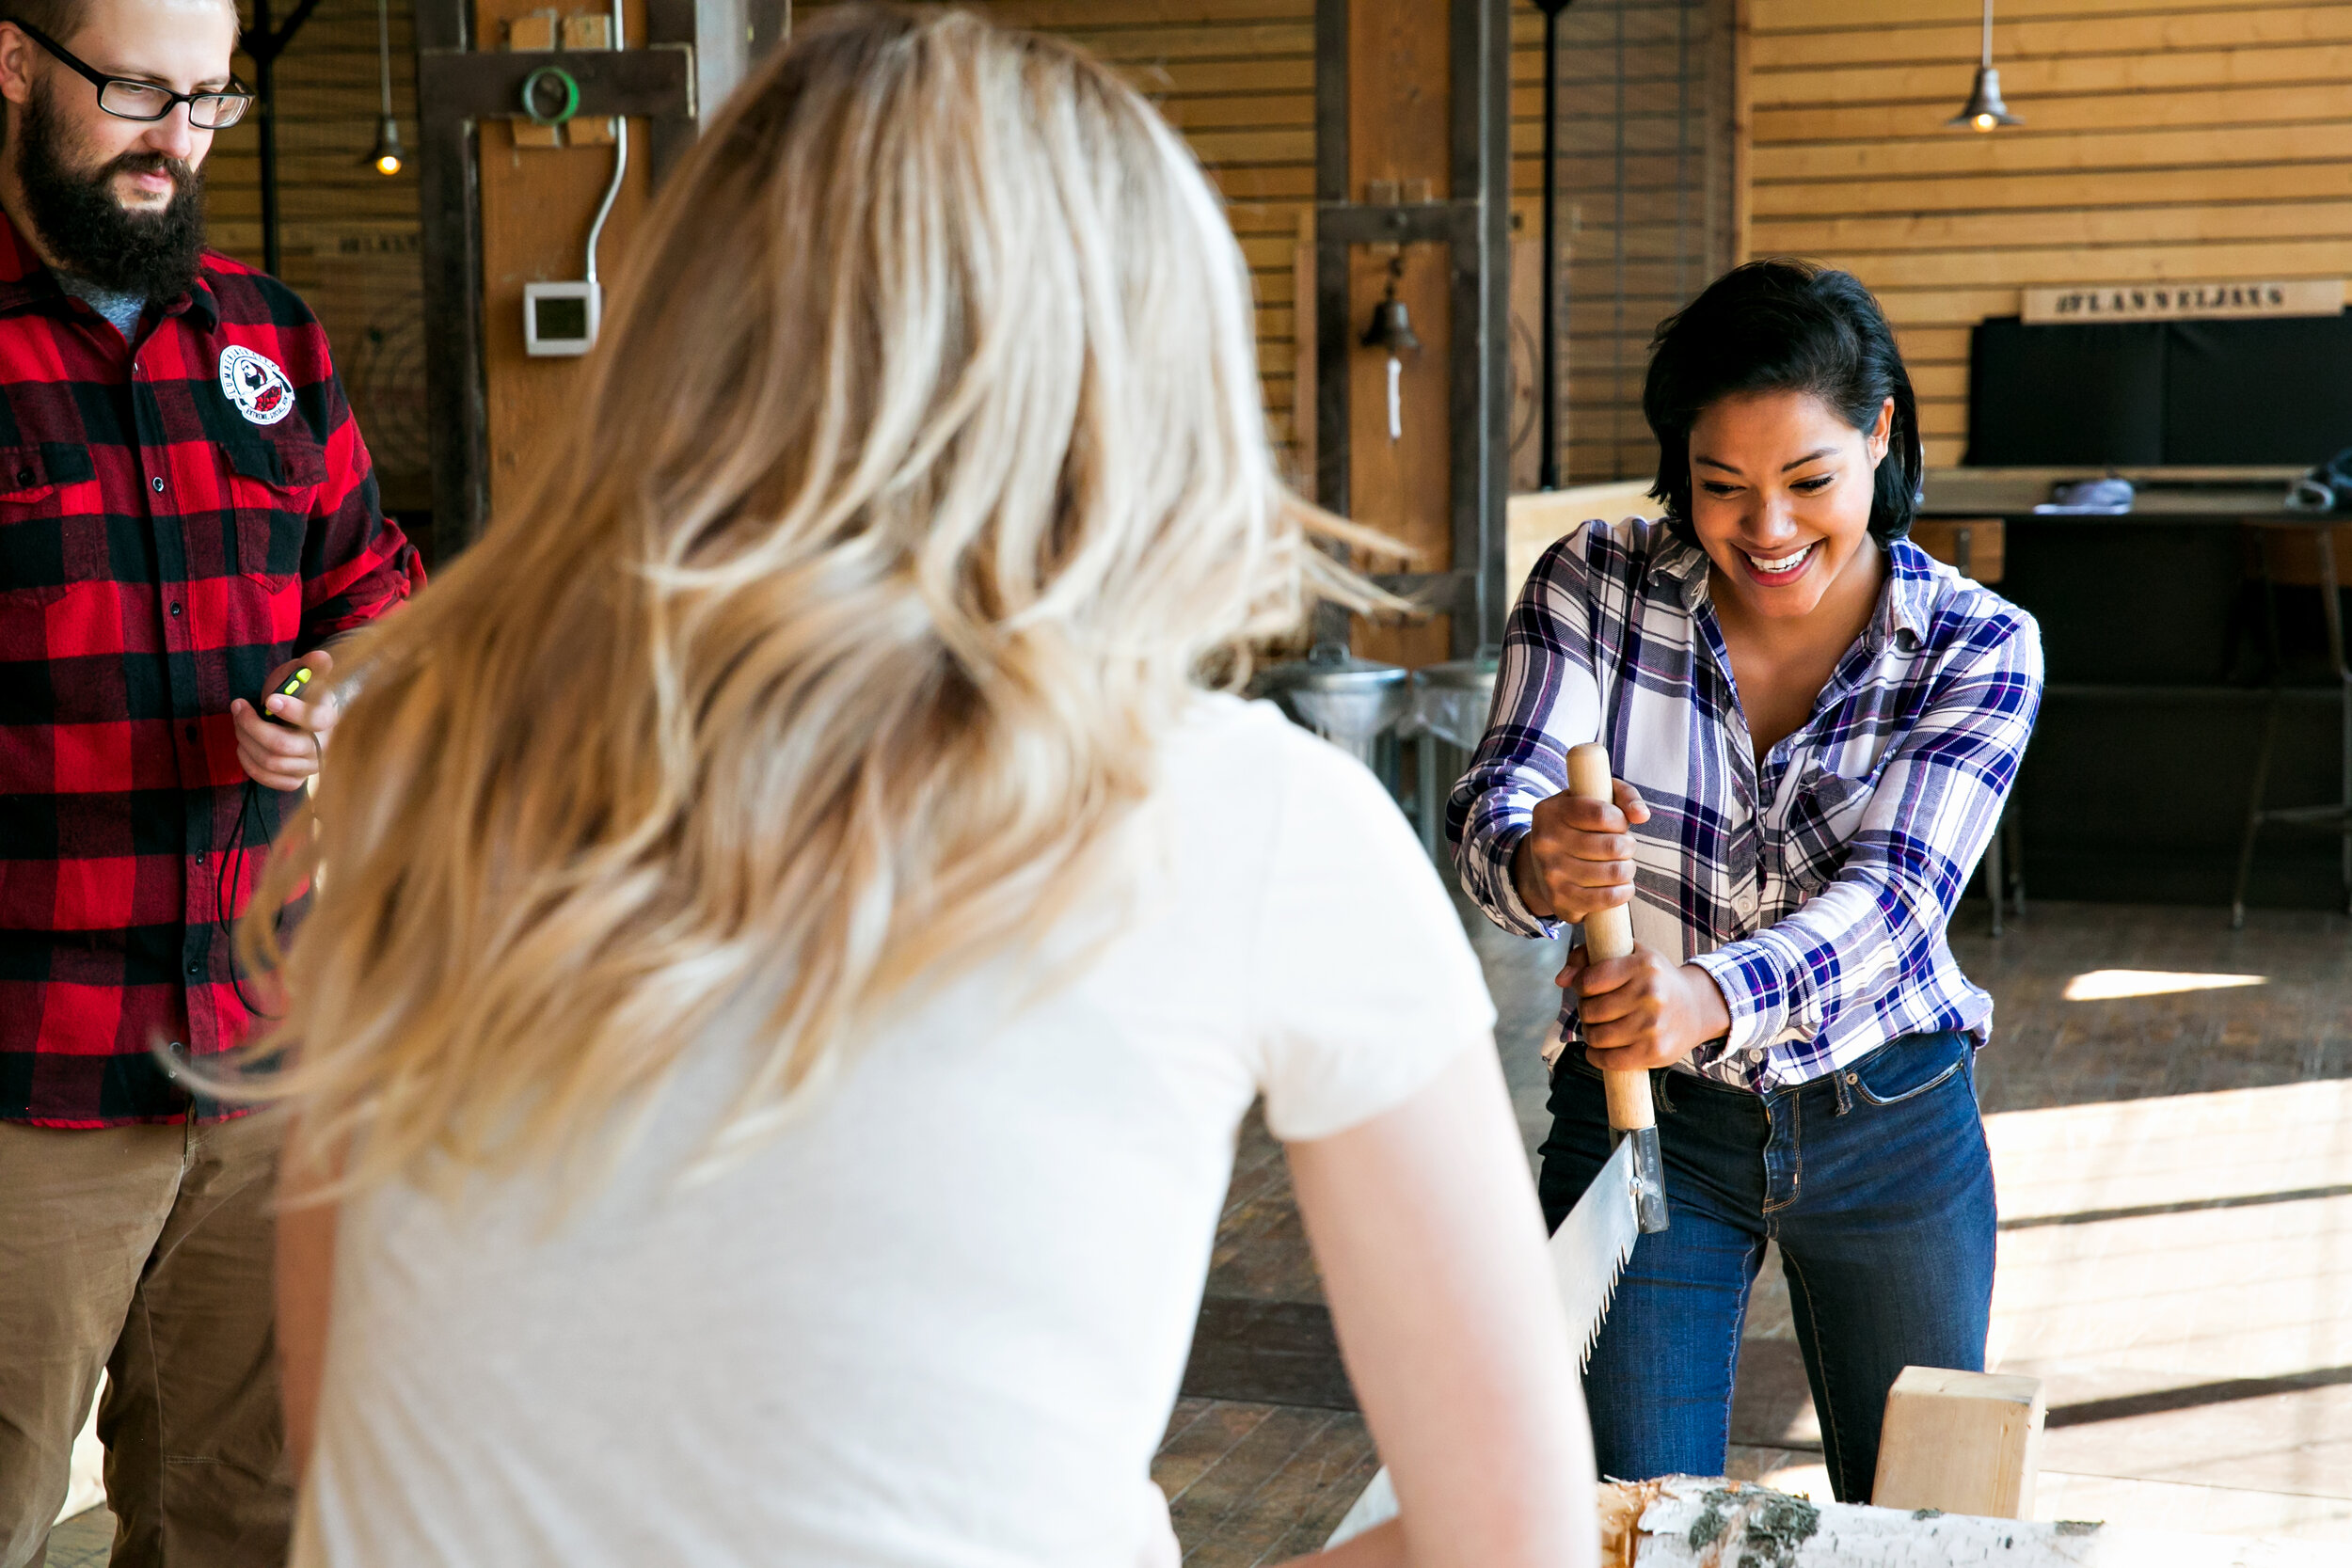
point(1814, 726)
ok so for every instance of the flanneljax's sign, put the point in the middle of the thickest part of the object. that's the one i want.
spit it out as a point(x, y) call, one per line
point(2123, 302)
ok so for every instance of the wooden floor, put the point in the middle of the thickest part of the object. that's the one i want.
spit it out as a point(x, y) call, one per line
point(1249, 1484)
point(2175, 1173)
point(2175, 1257)
point(85, 1541)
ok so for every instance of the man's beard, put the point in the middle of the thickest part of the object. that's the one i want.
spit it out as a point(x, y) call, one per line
point(152, 255)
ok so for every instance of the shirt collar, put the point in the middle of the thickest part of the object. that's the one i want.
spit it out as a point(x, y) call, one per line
point(1681, 563)
point(26, 282)
point(1906, 606)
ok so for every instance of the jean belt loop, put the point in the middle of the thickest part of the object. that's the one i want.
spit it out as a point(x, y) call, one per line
point(1659, 1091)
point(1843, 1081)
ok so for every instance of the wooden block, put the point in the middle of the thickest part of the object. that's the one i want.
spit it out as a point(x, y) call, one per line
point(535, 31)
point(588, 32)
point(1537, 519)
point(1962, 1442)
point(1975, 545)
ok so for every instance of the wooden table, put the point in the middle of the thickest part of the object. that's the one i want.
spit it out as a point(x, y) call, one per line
point(2235, 498)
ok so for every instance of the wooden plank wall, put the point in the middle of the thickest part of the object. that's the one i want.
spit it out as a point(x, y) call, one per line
point(1237, 77)
point(349, 234)
point(1648, 163)
point(2164, 140)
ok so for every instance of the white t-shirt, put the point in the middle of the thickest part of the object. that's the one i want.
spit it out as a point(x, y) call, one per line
point(942, 1319)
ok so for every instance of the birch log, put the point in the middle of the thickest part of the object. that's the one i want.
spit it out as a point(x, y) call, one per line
point(1689, 1522)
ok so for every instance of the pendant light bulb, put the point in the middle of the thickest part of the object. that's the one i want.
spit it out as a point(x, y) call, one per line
point(389, 156)
point(1984, 110)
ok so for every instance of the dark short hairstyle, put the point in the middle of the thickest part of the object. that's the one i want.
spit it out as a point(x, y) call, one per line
point(62, 18)
point(1782, 326)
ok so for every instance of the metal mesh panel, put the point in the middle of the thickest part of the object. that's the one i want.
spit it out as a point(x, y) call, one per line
point(1645, 186)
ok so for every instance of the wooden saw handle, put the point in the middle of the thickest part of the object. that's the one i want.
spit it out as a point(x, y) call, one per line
point(1608, 934)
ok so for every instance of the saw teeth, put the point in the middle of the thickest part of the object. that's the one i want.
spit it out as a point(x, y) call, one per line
point(1608, 1299)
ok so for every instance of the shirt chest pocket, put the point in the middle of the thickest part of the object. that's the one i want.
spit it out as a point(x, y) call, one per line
point(1823, 818)
point(52, 534)
point(271, 482)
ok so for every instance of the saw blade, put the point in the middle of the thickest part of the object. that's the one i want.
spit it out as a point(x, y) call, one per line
point(1589, 1248)
point(1588, 1253)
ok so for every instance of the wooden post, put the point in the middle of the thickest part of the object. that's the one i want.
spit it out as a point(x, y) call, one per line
point(1303, 352)
point(1742, 136)
point(1397, 120)
point(1962, 1442)
point(495, 216)
point(1412, 154)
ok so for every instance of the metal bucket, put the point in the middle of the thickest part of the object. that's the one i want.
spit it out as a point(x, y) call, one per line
point(1349, 702)
point(1450, 704)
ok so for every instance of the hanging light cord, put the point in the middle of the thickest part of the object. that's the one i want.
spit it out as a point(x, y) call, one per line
point(384, 51)
point(620, 162)
point(1988, 32)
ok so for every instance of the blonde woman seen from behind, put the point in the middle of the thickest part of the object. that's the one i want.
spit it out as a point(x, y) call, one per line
point(801, 943)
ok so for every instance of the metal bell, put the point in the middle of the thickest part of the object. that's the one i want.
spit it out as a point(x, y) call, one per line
point(1392, 327)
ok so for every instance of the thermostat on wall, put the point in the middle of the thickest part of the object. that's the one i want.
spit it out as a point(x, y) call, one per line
point(561, 319)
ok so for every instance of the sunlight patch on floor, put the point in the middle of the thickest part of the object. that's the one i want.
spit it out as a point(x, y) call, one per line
point(2116, 985)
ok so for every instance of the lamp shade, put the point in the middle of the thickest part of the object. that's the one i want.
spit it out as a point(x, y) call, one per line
point(387, 158)
point(1985, 110)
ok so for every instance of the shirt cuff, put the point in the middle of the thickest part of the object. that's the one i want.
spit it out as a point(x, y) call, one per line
point(1502, 902)
point(1753, 993)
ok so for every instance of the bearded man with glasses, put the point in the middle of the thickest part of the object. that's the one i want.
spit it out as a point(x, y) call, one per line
point(187, 517)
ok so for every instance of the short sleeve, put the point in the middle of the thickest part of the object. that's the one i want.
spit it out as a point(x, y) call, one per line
point(1365, 984)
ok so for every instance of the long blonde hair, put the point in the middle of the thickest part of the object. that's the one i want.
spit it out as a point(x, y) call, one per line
point(921, 471)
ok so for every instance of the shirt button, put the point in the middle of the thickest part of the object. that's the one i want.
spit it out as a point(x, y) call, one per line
point(196, 968)
point(25, 476)
point(189, 730)
point(158, 483)
point(200, 857)
point(175, 606)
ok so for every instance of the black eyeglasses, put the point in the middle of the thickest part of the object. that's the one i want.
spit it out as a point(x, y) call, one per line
point(148, 102)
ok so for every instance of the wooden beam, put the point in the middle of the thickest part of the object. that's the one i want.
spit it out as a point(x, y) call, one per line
point(640, 83)
point(1961, 1442)
point(450, 215)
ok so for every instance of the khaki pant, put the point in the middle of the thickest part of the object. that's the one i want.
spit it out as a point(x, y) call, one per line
point(144, 1251)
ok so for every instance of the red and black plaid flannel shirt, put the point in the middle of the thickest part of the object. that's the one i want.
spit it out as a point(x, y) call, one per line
point(169, 534)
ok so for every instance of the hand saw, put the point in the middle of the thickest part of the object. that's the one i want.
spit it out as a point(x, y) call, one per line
point(1588, 1252)
point(1626, 1200)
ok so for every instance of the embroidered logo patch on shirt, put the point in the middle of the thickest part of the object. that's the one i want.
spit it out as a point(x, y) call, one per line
point(256, 385)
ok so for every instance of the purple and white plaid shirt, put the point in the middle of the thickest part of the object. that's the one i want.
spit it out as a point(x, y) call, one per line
point(1815, 888)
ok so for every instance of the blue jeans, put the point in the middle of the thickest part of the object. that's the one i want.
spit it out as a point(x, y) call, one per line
point(1878, 1186)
